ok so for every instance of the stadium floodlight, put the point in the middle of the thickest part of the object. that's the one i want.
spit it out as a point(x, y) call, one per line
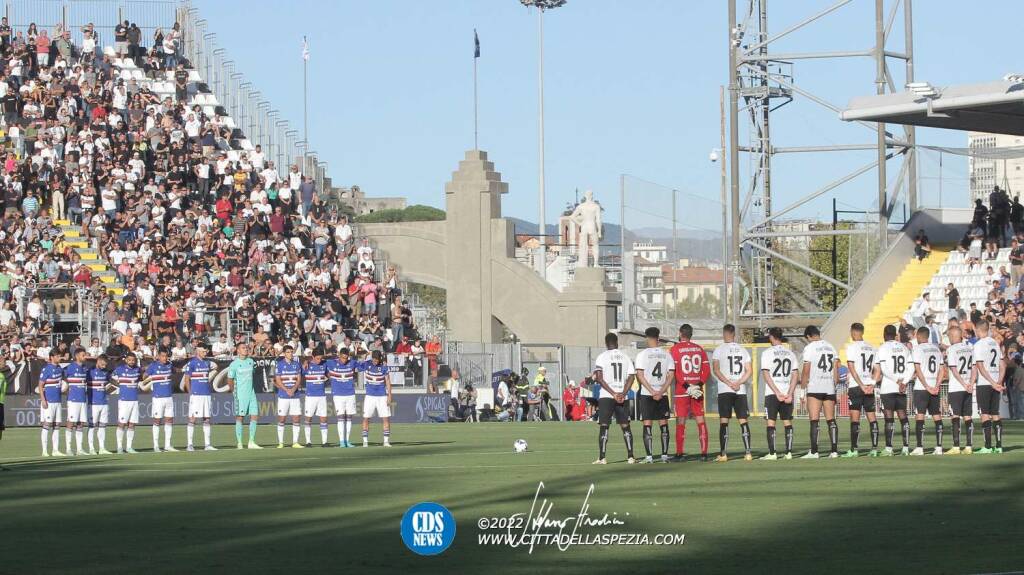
point(923, 90)
point(715, 154)
point(1015, 79)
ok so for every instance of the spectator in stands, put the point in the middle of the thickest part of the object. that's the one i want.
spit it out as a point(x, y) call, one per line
point(953, 297)
point(922, 247)
point(921, 309)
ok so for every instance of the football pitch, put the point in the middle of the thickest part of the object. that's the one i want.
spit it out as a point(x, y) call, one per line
point(339, 510)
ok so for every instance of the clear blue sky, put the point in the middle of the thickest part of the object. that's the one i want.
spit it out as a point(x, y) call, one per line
point(631, 87)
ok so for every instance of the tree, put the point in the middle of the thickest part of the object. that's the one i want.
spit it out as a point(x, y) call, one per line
point(414, 213)
point(821, 261)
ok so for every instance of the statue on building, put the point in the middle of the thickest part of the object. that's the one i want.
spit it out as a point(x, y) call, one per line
point(587, 216)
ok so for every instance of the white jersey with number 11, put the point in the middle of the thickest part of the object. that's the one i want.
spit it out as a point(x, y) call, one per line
point(615, 368)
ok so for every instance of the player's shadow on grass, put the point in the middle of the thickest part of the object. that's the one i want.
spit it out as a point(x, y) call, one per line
point(412, 443)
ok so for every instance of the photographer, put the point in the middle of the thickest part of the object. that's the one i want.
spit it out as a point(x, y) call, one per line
point(467, 404)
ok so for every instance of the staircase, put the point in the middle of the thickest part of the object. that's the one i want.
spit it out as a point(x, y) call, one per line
point(91, 257)
point(910, 284)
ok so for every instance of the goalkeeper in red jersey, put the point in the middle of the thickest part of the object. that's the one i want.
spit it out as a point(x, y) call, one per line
point(692, 370)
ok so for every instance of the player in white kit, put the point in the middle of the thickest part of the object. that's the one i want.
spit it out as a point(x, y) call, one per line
point(781, 376)
point(860, 359)
point(820, 377)
point(614, 372)
point(655, 371)
point(960, 365)
point(988, 376)
point(730, 364)
point(893, 367)
point(930, 368)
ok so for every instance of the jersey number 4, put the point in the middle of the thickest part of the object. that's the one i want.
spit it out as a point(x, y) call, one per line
point(656, 372)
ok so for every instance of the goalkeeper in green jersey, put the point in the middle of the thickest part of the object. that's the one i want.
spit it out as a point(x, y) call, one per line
point(240, 381)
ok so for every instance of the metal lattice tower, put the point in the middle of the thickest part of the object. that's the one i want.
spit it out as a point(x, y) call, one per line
point(761, 82)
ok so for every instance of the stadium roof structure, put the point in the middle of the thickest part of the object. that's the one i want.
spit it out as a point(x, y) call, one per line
point(996, 107)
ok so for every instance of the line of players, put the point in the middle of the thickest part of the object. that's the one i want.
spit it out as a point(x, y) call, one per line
point(890, 371)
point(87, 392)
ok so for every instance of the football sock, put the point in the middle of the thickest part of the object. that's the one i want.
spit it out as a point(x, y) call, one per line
point(789, 438)
point(627, 435)
point(986, 428)
point(602, 441)
point(280, 433)
point(348, 427)
point(78, 439)
point(119, 438)
point(874, 434)
point(745, 435)
point(366, 437)
point(664, 439)
point(190, 433)
point(238, 431)
point(101, 436)
point(938, 433)
point(648, 440)
point(323, 433)
point(956, 431)
point(905, 426)
point(970, 433)
point(44, 438)
point(833, 435)
point(854, 435)
point(771, 440)
point(295, 433)
point(680, 437)
point(723, 437)
point(702, 437)
point(130, 435)
point(307, 430)
point(91, 434)
point(156, 436)
point(999, 433)
point(55, 438)
point(207, 433)
point(387, 436)
point(252, 430)
point(814, 436)
point(67, 441)
point(890, 430)
point(341, 430)
point(919, 432)
point(168, 428)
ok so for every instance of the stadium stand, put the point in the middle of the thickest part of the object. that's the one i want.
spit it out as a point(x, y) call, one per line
point(127, 186)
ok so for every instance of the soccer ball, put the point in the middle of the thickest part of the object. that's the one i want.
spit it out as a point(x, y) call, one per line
point(520, 446)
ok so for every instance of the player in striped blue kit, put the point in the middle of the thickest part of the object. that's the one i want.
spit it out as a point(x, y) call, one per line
point(126, 376)
point(196, 382)
point(341, 373)
point(99, 415)
point(50, 381)
point(158, 378)
point(287, 372)
point(378, 396)
point(75, 375)
point(314, 380)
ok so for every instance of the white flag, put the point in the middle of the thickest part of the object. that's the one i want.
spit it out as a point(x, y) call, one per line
point(305, 49)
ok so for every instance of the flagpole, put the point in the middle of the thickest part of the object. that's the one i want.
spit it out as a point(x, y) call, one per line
point(305, 101)
point(476, 121)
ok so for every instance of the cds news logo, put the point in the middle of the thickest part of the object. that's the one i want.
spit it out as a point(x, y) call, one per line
point(428, 528)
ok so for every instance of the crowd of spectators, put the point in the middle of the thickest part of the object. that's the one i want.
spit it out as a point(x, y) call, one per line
point(197, 231)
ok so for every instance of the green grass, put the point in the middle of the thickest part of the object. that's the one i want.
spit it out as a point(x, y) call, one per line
point(288, 511)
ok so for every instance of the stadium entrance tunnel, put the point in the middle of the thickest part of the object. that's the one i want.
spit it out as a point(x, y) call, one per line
point(470, 255)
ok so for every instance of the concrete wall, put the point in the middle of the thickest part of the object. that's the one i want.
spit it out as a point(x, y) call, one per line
point(943, 226)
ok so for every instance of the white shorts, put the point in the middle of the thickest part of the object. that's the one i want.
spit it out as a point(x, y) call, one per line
point(344, 405)
point(316, 406)
point(199, 406)
point(51, 413)
point(288, 406)
point(100, 415)
point(78, 412)
point(163, 407)
point(376, 404)
point(127, 411)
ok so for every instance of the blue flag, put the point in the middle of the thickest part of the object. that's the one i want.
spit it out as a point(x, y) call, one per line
point(476, 44)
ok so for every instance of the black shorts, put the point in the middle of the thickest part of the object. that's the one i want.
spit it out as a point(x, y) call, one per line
point(961, 404)
point(894, 401)
point(988, 399)
point(823, 396)
point(732, 402)
point(2, 426)
point(775, 409)
point(926, 402)
point(651, 410)
point(606, 407)
point(860, 401)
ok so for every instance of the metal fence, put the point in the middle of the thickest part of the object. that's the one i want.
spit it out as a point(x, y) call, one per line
point(52, 15)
